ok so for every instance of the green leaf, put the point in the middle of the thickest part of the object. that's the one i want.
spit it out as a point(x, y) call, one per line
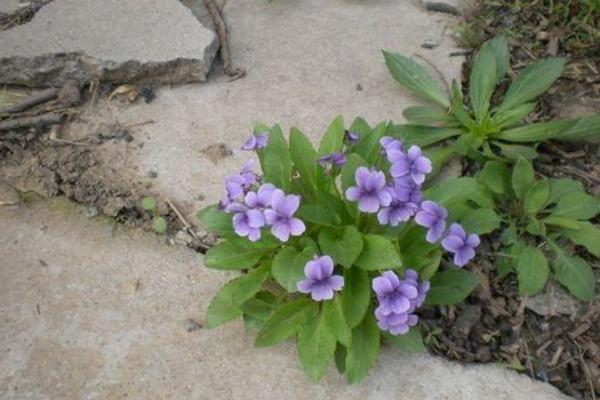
point(360, 127)
point(216, 220)
point(561, 186)
point(226, 304)
point(532, 270)
point(228, 256)
point(344, 246)
point(333, 138)
point(340, 359)
point(513, 116)
point(411, 342)
point(258, 309)
point(583, 128)
point(288, 266)
point(148, 203)
point(561, 222)
point(305, 158)
point(458, 108)
point(415, 78)
point(318, 214)
point(575, 273)
point(355, 295)
point(532, 81)
point(378, 253)
point(585, 234)
point(500, 47)
point(535, 227)
point(536, 197)
point(515, 151)
point(276, 161)
point(334, 316)
point(576, 205)
point(483, 80)
point(159, 224)
point(421, 255)
point(496, 176)
point(285, 322)
point(316, 346)
point(454, 192)
point(428, 115)
point(481, 221)
point(368, 147)
point(523, 177)
point(363, 350)
point(421, 135)
point(451, 287)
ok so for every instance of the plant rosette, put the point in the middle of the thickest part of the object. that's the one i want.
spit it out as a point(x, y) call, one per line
point(339, 247)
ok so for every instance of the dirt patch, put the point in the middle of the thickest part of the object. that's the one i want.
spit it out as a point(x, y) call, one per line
point(37, 163)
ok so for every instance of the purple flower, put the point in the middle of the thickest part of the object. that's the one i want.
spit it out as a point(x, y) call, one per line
point(280, 217)
point(389, 145)
point(433, 217)
point(401, 209)
point(409, 189)
point(260, 199)
point(336, 159)
point(370, 190)
point(461, 245)
point(320, 282)
point(256, 142)
point(247, 222)
point(351, 137)
point(411, 163)
point(237, 185)
point(398, 299)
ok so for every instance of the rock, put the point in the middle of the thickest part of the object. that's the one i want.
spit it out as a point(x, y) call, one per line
point(140, 344)
point(8, 195)
point(184, 238)
point(112, 41)
point(554, 300)
point(191, 325)
point(113, 206)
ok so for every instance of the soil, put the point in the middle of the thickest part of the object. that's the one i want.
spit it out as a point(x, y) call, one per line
point(36, 162)
point(550, 337)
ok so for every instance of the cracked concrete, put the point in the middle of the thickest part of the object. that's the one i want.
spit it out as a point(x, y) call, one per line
point(159, 41)
point(306, 63)
point(92, 310)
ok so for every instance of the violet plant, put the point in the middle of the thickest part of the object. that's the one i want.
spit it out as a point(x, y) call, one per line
point(340, 247)
point(485, 125)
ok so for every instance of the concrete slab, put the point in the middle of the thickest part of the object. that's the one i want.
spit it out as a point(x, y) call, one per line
point(91, 310)
point(112, 40)
point(307, 61)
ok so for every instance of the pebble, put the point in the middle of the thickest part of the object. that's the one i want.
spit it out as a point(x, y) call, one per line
point(91, 211)
point(191, 325)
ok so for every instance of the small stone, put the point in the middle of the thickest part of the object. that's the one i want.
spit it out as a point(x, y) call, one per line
point(152, 174)
point(191, 325)
point(113, 206)
point(184, 238)
point(429, 44)
point(8, 195)
point(555, 300)
point(91, 211)
point(359, 87)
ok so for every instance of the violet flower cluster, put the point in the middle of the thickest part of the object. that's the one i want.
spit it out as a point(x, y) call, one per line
point(268, 206)
point(400, 199)
point(398, 300)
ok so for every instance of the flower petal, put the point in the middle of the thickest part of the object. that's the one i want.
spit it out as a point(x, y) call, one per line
point(297, 227)
point(281, 231)
point(452, 243)
point(305, 285)
point(368, 203)
point(353, 193)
